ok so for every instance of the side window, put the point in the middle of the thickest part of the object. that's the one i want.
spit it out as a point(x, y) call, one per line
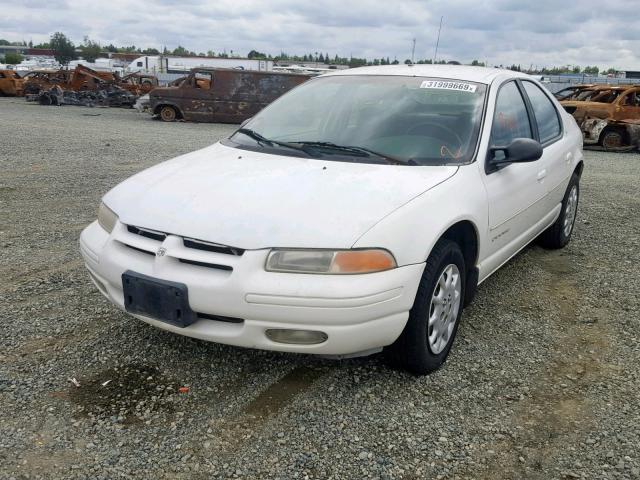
point(139, 64)
point(631, 99)
point(203, 80)
point(544, 111)
point(510, 120)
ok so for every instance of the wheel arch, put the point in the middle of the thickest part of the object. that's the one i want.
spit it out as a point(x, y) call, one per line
point(465, 234)
point(579, 168)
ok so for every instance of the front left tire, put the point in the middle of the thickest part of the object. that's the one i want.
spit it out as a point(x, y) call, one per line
point(426, 340)
point(168, 113)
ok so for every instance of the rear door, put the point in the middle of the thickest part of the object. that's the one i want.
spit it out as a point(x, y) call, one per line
point(555, 165)
point(516, 196)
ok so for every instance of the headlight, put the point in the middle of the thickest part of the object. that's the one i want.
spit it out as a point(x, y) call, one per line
point(330, 261)
point(106, 218)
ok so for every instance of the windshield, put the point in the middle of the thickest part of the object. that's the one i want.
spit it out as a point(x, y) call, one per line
point(409, 120)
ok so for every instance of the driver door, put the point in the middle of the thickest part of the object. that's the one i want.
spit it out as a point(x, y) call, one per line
point(515, 192)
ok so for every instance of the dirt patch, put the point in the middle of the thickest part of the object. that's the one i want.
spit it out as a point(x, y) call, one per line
point(132, 394)
point(557, 410)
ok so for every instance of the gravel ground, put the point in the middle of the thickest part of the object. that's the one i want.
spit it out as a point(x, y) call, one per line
point(543, 381)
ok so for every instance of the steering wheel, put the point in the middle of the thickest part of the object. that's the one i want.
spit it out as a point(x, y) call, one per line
point(450, 137)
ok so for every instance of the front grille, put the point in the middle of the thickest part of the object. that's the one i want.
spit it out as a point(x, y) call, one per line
point(152, 234)
point(207, 265)
point(188, 242)
point(139, 249)
point(212, 247)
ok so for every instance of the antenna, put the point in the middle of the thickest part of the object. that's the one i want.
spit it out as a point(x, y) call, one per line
point(435, 56)
point(413, 51)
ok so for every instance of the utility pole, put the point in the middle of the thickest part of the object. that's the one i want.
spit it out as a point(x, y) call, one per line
point(435, 56)
point(413, 51)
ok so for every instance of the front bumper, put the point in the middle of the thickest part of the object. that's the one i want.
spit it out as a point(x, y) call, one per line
point(358, 313)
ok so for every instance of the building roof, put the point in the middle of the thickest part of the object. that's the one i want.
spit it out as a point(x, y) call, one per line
point(458, 72)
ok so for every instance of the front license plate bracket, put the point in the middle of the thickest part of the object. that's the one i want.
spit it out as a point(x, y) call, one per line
point(158, 299)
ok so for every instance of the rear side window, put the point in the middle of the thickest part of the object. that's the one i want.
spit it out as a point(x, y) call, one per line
point(544, 111)
point(510, 120)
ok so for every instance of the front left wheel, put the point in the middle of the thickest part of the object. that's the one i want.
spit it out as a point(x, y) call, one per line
point(168, 113)
point(426, 340)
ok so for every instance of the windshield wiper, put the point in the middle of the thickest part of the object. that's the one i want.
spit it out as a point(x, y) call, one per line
point(263, 140)
point(356, 150)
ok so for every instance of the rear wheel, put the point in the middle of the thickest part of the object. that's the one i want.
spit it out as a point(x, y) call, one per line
point(612, 139)
point(168, 113)
point(559, 234)
point(433, 321)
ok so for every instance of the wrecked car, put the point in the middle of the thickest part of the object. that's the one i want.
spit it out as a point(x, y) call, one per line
point(570, 93)
point(11, 84)
point(606, 115)
point(137, 83)
point(612, 135)
point(221, 95)
point(108, 96)
point(39, 80)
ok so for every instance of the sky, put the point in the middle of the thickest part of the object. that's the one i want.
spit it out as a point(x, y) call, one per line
point(539, 33)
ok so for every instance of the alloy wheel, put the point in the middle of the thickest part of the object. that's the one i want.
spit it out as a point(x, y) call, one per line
point(444, 308)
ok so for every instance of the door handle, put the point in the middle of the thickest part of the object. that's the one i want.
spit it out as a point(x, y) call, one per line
point(542, 174)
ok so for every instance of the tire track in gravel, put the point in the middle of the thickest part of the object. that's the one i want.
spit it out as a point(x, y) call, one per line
point(557, 412)
point(234, 433)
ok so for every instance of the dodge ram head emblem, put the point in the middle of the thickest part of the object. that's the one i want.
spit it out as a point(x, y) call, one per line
point(161, 251)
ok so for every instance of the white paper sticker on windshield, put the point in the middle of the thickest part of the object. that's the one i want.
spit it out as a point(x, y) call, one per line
point(442, 85)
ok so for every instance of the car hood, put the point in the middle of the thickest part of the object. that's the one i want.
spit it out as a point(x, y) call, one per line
point(255, 200)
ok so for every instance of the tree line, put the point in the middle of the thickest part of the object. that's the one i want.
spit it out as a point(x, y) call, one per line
point(65, 51)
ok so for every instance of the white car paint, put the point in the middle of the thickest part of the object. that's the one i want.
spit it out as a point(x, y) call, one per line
point(258, 201)
point(255, 200)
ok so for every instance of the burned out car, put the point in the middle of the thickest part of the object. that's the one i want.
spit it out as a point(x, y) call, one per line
point(11, 84)
point(138, 83)
point(571, 92)
point(221, 95)
point(38, 80)
point(607, 115)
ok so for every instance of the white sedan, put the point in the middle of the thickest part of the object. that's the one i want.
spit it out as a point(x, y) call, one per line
point(358, 212)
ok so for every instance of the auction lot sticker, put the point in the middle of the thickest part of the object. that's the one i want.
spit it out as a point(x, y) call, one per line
point(442, 85)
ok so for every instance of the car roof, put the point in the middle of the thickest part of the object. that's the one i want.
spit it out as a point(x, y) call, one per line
point(456, 72)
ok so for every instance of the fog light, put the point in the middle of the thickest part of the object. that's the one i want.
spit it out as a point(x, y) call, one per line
point(300, 337)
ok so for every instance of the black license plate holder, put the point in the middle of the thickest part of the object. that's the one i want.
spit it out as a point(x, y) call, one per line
point(158, 299)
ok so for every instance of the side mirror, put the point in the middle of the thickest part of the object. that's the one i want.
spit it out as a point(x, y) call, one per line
point(245, 122)
point(519, 150)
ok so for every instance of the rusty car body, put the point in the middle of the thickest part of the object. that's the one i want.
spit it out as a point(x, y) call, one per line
point(607, 115)
point(11, 84)
point(221, 95)
point(38, 80)
point(138, 83)
point(569, 93)
point(85, 78)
